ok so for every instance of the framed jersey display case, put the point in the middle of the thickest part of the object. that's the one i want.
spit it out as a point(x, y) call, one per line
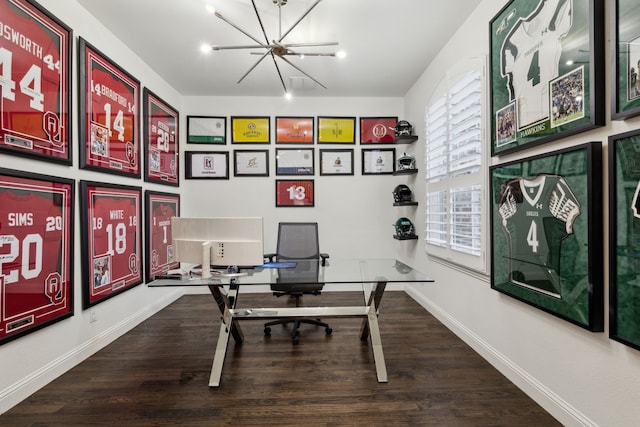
point(111, 229)
point(35, 81)
point(295, 193)
point(109, 114)
point(546, 71)
point(546, 233)
point(161, 142)
point(625, 89)
point(36, 252)
point(159, 208)
point(624, 238)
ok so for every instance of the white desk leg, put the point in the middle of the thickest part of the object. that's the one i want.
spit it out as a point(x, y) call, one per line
point(376, 344)
point(218, 358)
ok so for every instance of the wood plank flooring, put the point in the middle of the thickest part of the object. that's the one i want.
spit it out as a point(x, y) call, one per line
point(157, 375)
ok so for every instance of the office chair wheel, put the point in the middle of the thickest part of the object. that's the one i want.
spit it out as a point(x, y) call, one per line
point(267, 331)
point(295, 340)
point(328, 330)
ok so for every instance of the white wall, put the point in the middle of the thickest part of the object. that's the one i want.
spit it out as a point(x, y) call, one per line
point(582, 378)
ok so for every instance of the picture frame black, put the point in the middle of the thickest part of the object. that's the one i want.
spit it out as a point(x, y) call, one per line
point(250, 129)
point(295, 161)
point(378, 161)
point(298, 193)
point(161, 140)
point(206, 165)
point(337, 161)
point(378, 130)
point(546, 233)
point(37, 281)
point(336, 130)
point(625, 51)
point(251, 163)
point(294, 130)
point(206, 130)
point(160, 207)
point(539, 95)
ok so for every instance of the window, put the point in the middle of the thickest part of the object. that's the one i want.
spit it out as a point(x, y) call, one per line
point(456, 168)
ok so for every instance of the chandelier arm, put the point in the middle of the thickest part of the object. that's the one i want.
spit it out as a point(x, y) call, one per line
point(298, 21)
point(254, 66)
point(278, 70)
point(240, 29)
point(266, 39)
point(299, 69)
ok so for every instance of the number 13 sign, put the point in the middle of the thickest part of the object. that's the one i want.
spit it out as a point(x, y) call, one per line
point(294, 193)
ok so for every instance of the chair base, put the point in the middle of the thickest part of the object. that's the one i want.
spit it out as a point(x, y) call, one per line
point(296, 326)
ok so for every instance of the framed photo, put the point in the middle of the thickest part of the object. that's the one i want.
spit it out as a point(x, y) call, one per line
point(380, 161)
point(546, 233)
point(294, 161)
point(625, 88)
point(161, 145)
point(206, 130)
point(159, 256)
point(624, 238)
point(378, 130)
point(36, 261)
point(35, 116)
point(294, 193)
point(336, 162)
point(251, 163)
point(207, 165)
point(109, 114)
point(250, 130)
point(546, 84)
point(336, 130)
point(111, 240)
point(294, 130)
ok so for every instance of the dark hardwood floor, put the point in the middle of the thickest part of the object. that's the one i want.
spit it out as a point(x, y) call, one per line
point(157, 375)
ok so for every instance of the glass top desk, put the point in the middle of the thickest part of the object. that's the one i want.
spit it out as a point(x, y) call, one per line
point(372, 274)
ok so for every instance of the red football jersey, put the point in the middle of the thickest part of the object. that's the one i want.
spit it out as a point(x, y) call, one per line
point(162, 160)
point(161, 236)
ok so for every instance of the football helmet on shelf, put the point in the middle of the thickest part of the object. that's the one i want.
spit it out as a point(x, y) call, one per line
point(403, 128)
point(404, 228)
point(406, 162)
point(402, 193)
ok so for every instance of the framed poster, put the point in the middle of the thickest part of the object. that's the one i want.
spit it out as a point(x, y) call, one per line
point(109, 114)
point(546, 71)
point(111, 227)
point(336, 162)
point(36, 83)
point(546, 233)
point(294, 130)
point(207, 165)
point(336, 130)
point(378, 130)
point(36, 252)
point(624, 238)
point(378, 161)
point(159, 208)
point(206, 130)
point(625, 87)
point(294, 193)
point(251, 130)
point(294, 161)
point(251, 163)
point(161, 145)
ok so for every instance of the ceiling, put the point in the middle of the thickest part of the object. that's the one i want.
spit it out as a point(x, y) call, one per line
point(388, 44)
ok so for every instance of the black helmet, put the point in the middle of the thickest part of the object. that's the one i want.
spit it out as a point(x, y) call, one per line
point(404, 227)
point(403, 128)
point(402, 193)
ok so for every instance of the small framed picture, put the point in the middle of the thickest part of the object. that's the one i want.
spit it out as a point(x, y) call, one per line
point(294, 130)
point(251, 163)
point(206, 130)
point(378, 161)
point(378, 130)
point(336, 130)
point(294, 193)
point(250, 130)
point(207, 165)
point(336, 162)
point(159, 255)
point(294, 161)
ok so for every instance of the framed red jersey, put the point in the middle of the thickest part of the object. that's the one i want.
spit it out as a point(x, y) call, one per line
point(35, 82)
point(111, 240)
point(159, 209)
point(36, 252)
point(161, 142)
point(109, 115)
point(294, 193)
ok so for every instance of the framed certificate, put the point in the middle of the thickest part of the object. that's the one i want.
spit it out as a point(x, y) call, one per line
point(161, 145)
point(546, 233)
point(250, 130)
point(109, 115)
point(159, 208)
point(206, 130)
point(336, 130)
point(36, 87)
point(111, 227)
point(294, 130)
point(294, 193)
point(336, 162)
point(36, 260)
point(207, 165)
point(625, 87)
point(294, 161)
point(378, 161)
point(251, 163)
point(546, 72)
point(378, 130)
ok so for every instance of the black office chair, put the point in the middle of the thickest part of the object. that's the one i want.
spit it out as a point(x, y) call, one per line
point(297, 241)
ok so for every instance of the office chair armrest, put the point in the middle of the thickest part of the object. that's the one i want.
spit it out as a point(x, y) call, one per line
point(270, 257)
point(323, 257)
